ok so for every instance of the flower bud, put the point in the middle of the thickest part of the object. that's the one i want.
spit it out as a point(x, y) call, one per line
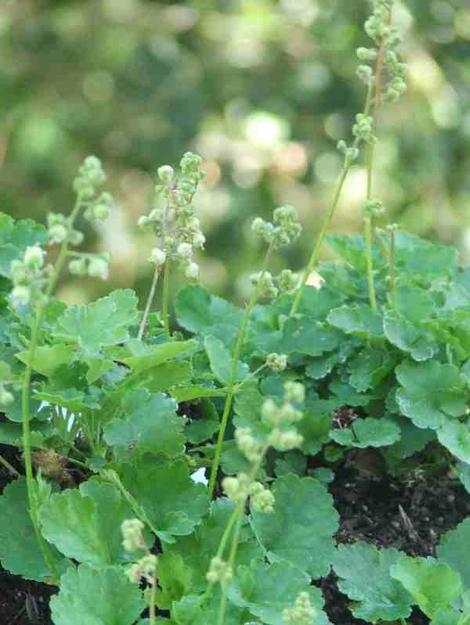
point(98, 268)
point(276, 362)
point(166, 173)
point(20, 296)
point(78, 267)
point(219, 571)
point(302, 613)
point(366, 54)
point(287, 281)
point(57, 234)
point(157, 257)
point(294, 391)
point(192, 271)
point(133, 535)
point(184, 251)
point(34, 257)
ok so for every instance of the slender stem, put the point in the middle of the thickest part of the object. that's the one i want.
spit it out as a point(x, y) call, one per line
point(166, 296)
point(370, 169)
point(10, 468)
point(370, 268)
point(148, 305)
point(391, 269)
point(313, 261)
point(26, 397)
point(233, 374)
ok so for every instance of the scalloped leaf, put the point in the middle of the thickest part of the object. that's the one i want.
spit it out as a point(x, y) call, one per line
point(358, 319)
point(301, 528)
point(430, 392)
point(173, 503)
point(15, 237)
point(455, 435)
point(220, 360)
point(368, 432)
point(150, 424)
point(453, 550)
point(432, 584)
point(102, 596)
point(104, 322)
point(364, 576)
point(85, 523)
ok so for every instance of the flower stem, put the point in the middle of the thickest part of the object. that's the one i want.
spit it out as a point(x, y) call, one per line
point(166, 296)
point(391, 269)
point(313, 261)
point(26, 398)
point(233, 374)
point(370, 268)
point(148, 304)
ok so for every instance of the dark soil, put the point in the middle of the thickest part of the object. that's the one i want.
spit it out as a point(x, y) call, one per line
point(410, 515)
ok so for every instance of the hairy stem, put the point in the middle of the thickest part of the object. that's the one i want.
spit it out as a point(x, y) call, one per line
point(26, 397)
point(166, 296)
point(313, 261)
point(148, 304)
point(370, 170)
point(391, 269)
point(233, 374)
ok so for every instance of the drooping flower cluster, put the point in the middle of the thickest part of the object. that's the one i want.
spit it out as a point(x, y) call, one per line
point(134, 541)
point(29, 276)
point(87, 184)
point(302, 612)
point(276, 362)
point(175, 223)
point(284, 436)
point(283, 230)
point(220, 572)
point(241, 488)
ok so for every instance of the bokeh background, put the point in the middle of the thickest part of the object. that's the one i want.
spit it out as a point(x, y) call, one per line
point(262, 89)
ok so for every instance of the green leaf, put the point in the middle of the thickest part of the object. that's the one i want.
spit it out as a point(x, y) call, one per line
point(409, 338)
point(453, 550)
point(304, 335)
point(202, 313)
point(195, 391)
point(204, 610)
point(15, 237)
point(358, 319)
point(463, 473)
point(198, 548)
point(159, 354)
point(102, 596)
point(353, 250)
point(150, 424)
point(430, 392)
point(456, 437)
point(220, 360)
point(174, 579)
point(368, 432)
point(417, 257)
point(369, 368)
point(432, 584)
point(19, 550)
point(162, 377)
point(413, 303)
point(104, 322)
point(364, 576)
point(85, 524)
point(47, 358)
point(171, 500)
point(301, 528)
point(268, 589)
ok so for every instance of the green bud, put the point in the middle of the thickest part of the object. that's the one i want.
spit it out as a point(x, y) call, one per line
point(166, 173)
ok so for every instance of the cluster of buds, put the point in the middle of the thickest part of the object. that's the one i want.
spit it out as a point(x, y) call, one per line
point(363, 129)
point(301, 613)
point(220, 572)
point(281, 418)
point(175, 223)
point(276, 362)
point(270, 286)
point(90, 178)
point(93, 265)
point(283, 230)
point(28, 276)
point(379, 29)
point(133, 541)
point(350, 153)
point(241, 488)
point(374, 208)
point(60, 231)
point(100, 209)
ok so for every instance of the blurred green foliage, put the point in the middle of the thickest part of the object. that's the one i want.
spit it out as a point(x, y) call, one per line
point(262, 89)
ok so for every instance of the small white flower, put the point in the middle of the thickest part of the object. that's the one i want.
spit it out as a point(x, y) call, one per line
point(157, 257)
point(192, 271)
point(57, 233)
point(34, 257)
point(98, 268)
point(20, 296)
point(185, 251)
point(166, 173)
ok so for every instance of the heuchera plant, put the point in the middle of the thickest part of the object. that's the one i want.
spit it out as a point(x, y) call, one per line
point(375, 356)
